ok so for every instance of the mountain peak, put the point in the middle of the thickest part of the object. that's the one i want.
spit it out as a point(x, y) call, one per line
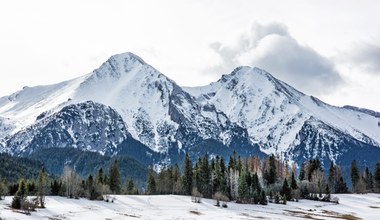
point(127, 57)
point(119, 64)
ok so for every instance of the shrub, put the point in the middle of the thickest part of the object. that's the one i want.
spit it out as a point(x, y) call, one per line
point(218, 196)
point(16, 202)
point(196, 195)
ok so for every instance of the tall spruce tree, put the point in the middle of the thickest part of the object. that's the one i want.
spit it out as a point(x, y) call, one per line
point(341, 186)
point(293, 183)
point(355, 177)
point(272, 177)
point(100, 176)
point(21, 194)
point(232, 162)
point(41, 188)
point(368, 180)
point(130, 187)
point(243, 189)
point(151, 186)
point(332, 176)
point(223, 179)
point(286, 190)
point(114, 178)
point(302, 172)
point(263, 198)
point(92, 193)
point(55, 187)
point(377, 177)
point(187, 178)
point(204, 173)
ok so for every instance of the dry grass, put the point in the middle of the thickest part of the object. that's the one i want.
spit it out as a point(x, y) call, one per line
point(349, 217)
point(374, 207)
point(323, 215)
point(195, 212)
point(251, 216)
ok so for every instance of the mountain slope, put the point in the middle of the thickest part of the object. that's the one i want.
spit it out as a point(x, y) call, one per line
point(276, 115)
point(86, 126)
point(248, 110)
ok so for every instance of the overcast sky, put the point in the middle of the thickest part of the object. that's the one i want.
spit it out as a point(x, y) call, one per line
point(329, 49)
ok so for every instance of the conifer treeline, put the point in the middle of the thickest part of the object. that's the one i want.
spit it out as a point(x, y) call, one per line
point(251, 180)
point(245, 180)
point(29, 194)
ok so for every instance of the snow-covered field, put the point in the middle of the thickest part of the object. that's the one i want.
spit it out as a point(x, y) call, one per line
point(181, 207)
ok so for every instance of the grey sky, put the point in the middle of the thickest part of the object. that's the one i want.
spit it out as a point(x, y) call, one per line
point(329, 49)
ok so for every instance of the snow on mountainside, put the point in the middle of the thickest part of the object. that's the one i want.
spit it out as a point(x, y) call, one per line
point(246, 108)
point(24, 106)
point(274, 112)
point(87, 126)
point(156, 111)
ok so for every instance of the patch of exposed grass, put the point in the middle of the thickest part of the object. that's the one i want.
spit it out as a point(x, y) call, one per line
point(251, 216)
point(374, 207)
point(349, 217)
point(324, 214)
point(195, 212)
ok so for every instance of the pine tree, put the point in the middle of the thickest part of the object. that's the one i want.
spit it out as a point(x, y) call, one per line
point(263, 198)
point(331, 179)
point(223, 178)
point(355, 177)
point(114, 178)
point(302, 172)
point(232, 162)
point(22, 190)
point(151, 188)
point(100, 176)
point(293, 183)
point(272, 176)
point(286, 190)
point(239, 165)
point(328, 193)
point(377, 177)
point(177, 188)
point(3, 189)
point(216, 175)
point(41, 186)
point(176, 174)
point(256, 196)
point(130, 187)
point(276, 198)
point(91, 188)
point(256, 186)
point(368, 180)
point(340, 186)
point(21, 194)
point(205, 177)
point(243, 188)
point(187, 178)
point(55, 188)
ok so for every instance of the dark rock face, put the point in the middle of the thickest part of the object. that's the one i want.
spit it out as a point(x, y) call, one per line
point(86, 126)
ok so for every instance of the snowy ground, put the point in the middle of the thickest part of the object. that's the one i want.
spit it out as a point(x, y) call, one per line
point(181, 207)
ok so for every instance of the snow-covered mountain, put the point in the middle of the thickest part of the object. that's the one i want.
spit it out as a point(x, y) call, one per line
point(278, 117)
point(87, 126)
point(248, 110)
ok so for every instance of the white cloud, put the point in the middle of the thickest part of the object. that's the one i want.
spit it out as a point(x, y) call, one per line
point(363, 57)
point(272, 48)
